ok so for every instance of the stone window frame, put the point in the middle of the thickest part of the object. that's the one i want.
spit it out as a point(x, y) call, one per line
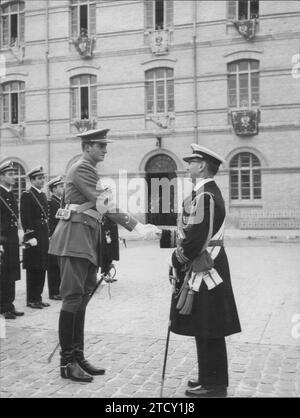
point(75, 12)
point(151, 13)
point(7, 10)
point(234, 10)
point(18, 93)
point(76, 91)
point(167, 81)
point(250, 72)
point(252, 183)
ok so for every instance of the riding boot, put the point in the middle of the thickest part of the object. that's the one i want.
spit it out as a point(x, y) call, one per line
point(79, 346)
point(69, 368)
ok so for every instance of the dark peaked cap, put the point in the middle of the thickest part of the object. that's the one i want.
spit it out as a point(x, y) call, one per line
point(95, 135)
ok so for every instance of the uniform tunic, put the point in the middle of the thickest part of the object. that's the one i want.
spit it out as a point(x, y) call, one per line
point(34, 217)
point(214, 313)
point(77, 241)
point(9, 239)
point(53, 269)
point(80, 236)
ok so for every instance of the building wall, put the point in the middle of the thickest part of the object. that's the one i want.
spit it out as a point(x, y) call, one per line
point(120, 58)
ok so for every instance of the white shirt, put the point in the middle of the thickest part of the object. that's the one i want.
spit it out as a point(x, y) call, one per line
point(201, 183)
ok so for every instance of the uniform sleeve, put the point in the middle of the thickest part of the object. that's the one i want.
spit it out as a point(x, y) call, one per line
point(86, 179)
point(51, 216)
point(196, 235)
point(26, 212)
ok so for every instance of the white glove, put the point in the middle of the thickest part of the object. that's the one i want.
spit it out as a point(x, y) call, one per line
point(32, 242)
point(148, 232)
point(169, 260)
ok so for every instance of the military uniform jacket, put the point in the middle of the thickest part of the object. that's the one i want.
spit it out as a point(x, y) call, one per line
point(10, 266)
point(34, 217)
point(80, 236)
point(53, 206)
point(214, 312)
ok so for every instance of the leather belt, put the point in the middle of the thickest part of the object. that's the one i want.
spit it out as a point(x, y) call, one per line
point(81, 209)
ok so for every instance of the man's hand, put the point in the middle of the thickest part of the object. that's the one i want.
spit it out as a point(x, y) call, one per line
point(148, 231)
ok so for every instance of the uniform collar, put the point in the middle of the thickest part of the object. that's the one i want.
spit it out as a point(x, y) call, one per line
point(201, 183)
point(36, 189)
point(5, 188)
point(56, 197)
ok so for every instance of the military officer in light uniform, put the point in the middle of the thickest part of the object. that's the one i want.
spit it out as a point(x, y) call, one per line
point(34, 219)
point(56, 189)
point(9, 241)
point(76, 243)
point(214, 315)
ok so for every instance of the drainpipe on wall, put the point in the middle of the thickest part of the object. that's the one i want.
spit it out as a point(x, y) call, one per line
point(195, 3)
point(47, 92)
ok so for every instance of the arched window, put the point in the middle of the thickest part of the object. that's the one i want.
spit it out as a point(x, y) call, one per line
point(12, 23)
point(158, 14)
point(243, 9)
point(159, 86)
point(20, 184)
point(13, 102)
point(83, 97)
point(83, 17)
point(243, 84)
point(245, 177)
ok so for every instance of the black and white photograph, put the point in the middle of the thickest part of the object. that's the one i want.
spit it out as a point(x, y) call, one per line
point(150, 201)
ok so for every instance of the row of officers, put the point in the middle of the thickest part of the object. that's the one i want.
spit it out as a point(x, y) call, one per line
point(37, 215)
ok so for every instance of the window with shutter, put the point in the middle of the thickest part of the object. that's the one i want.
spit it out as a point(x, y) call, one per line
point(83, 17)
point(169, 6)
point(149, 14)
point(232, 8)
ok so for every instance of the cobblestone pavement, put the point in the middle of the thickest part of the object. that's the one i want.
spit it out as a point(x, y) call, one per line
point(126, 333)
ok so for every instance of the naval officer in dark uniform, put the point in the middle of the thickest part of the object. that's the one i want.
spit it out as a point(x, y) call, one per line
point(9, 241)
point(76, 242)
point(56, 188)
point(208, 312)
point(34, 219)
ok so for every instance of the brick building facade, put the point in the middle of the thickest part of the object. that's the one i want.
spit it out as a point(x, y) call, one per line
point(161, 74)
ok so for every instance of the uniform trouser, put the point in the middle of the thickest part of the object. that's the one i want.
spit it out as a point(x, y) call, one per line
point(7, 295)
point(212, 361)
point(78, 279)
point(53, 275)
point(35, 280)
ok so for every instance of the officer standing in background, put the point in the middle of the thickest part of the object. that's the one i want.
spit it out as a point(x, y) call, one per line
point(34, 219)
point(76, 242)
point(9, 240)
point(56, 188)
point(208, 311)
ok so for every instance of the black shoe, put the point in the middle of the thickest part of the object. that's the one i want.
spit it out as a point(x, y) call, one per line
point(74, 372)
point(55, 297)
point(17, 313)
point(89, 368)
point(44, 304)
point(35, 305)
point(193, 383)
point(208, 392)
point(9, 315)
